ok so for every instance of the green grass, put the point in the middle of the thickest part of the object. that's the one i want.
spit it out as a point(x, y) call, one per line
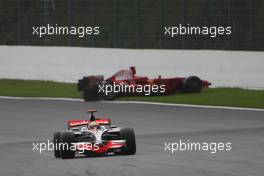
point(215, 96)
point(33, 88)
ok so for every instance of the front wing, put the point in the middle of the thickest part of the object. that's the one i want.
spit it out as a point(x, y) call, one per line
point(103, 147)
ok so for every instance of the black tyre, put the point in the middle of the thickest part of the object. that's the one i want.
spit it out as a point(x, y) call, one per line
point(67, 140)
point(90, 94)
point(56, 142)
point(192, 84)
point(128, 135)
point(108, 96)
point(80, 85)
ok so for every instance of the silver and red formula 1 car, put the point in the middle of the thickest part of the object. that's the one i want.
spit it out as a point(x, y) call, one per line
point(93, 137)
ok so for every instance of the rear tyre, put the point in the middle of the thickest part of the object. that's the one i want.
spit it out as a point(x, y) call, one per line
point(67, 140)
point(56, 142)
point(128, 135)
point(90, 94)
point(192, 84)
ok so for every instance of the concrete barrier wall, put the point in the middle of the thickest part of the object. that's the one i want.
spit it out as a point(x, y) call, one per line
point(222, 68)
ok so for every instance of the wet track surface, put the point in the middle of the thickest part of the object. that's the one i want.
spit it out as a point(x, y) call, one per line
point(23, 122)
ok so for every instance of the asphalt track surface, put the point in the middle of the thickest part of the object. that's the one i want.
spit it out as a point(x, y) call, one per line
point(23, 122)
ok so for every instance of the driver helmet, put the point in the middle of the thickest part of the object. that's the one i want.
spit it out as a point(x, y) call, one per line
point(92, 125)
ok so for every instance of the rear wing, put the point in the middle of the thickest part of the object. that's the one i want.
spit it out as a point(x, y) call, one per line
point(75, 123)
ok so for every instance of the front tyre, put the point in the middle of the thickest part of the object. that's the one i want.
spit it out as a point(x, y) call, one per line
point(67, 140)
point(192, 84)
point(128, 135)
point(56, 142)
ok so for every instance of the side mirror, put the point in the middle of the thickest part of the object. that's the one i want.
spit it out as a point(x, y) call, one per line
point(75, 129)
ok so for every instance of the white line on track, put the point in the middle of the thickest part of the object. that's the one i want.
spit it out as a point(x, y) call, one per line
point(135, 102)
point(187, 105)
point(40, 98)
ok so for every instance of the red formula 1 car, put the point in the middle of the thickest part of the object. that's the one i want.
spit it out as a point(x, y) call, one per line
point(126, 82)
point(93, 137)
